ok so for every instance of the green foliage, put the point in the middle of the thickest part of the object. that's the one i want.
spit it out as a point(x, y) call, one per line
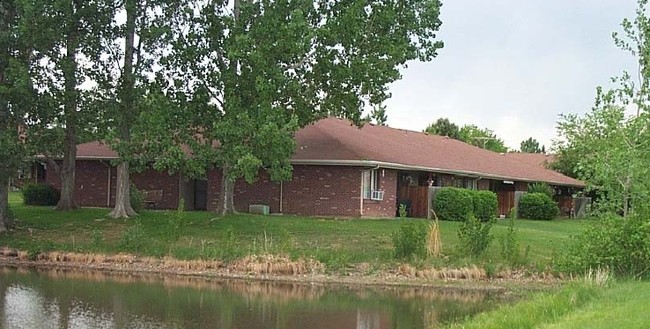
point(402, 211)
point(531, 145)
point(133, 238)
point(619, 245)
point(509, 242)
point(537, 206)
point(377, 115)
point(40, 195)
point(541, 188)
point(262, 70)
point(444, 127)
point(483, 138)
point(607, 146)
point(485, 204)
point(451, 203)
point(409, 241)
point(97, 236)
point(137, 198)
point(474, 236)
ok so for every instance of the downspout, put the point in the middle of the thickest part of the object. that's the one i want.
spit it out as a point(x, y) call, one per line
point(281, 197)
point(361, 195)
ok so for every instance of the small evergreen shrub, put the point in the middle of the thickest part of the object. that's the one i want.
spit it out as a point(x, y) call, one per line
point(537, 206)
point(541, 188)
point(410, 240)
point(620, 245)
point(452, 203)
point(485, 205)
point(474, 236)
point(40, 195)
point(137, 198)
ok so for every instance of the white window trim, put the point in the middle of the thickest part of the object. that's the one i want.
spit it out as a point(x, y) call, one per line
point(371, 192)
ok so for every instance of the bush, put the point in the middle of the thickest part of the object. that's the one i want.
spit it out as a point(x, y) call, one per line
point(620, 245)
point(474, 236)
point(410, 240)
point(485, 205)
point(137, 198)
point(537, 206)
point(541, 188)
point(40, 195)
point(452, 203)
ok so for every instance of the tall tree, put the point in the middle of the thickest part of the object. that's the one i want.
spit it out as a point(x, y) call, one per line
point(483, 138)
point(259, 70)
point(71, 32)
point(611, 149)
point(531, 145)
point(17, 97)
point(131, 59)
point(444, 127)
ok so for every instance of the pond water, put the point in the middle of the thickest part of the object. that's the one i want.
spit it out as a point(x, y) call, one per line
point(31, 298)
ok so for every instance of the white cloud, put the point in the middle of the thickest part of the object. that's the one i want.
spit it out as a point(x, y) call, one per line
point(513, 66)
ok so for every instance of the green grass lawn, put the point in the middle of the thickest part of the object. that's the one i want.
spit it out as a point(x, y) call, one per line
point(336, 242)
point(577, 305)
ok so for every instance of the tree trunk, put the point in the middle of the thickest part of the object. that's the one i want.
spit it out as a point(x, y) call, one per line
point(226, 204)
point(67, 171)
point(123, 208)
point(67, 174)
point(6, 222)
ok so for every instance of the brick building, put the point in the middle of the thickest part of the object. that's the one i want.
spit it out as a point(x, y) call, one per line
point(338, 170)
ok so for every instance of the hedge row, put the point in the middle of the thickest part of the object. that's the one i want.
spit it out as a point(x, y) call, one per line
point(457, 204)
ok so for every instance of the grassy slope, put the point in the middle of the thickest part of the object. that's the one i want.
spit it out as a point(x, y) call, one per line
point(620, 305)
point(333, 241)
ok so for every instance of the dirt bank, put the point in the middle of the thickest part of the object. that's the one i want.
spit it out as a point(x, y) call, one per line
point(282, 269)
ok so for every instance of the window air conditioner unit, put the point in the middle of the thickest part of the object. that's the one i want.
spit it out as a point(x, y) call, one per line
point(377, 195)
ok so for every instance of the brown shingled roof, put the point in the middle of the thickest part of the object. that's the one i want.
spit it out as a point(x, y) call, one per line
point(535, 159)
point(337, 141)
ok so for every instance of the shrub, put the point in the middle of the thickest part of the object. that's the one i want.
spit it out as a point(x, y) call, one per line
point(620, 245)
point(537, 206)
point(137, 198)
point(40, 195)
point(474, 236)
point(509, 242)
point(410, 240)
point(485, 205)
point(541, 188)
point(452, 203)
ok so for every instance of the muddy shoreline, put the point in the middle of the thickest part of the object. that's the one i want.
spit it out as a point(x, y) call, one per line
point(269, 268)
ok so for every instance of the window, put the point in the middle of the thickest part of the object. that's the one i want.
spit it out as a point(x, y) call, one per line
point(370, 180)
point(470, 184)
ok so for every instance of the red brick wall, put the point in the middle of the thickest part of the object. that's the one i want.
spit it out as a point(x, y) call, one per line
point(159, 180)
point(323, 190)
point(91, 183)
point(387, 207)
point(313, 191)
point(263, 191)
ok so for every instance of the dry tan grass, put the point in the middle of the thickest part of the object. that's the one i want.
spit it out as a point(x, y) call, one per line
point(467, 273)
point(434, 242)
point(278, 265)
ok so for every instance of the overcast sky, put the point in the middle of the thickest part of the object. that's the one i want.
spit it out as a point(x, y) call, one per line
point(514, 65)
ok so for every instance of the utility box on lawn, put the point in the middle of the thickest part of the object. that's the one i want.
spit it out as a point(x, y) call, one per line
point(259, 209)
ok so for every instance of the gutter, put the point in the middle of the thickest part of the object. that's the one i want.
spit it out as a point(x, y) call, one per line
point(399, 166)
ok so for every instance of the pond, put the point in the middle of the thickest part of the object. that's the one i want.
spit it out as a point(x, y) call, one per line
point(31, 298)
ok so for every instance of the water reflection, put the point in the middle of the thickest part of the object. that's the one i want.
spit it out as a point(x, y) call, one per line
point(73, 299)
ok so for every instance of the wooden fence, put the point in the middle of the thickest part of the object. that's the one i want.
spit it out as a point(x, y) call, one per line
point(417, 199)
